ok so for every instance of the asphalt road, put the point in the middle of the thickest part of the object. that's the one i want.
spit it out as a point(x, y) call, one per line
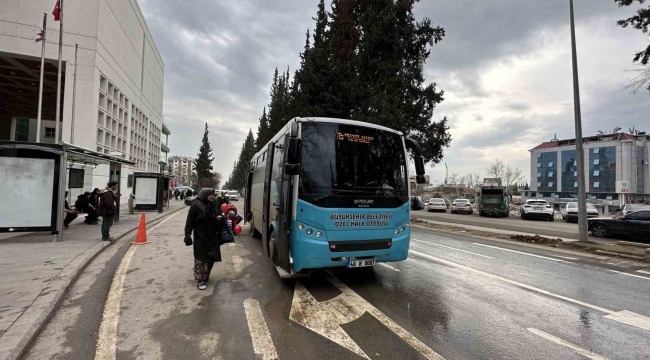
point(557, 228)
point(456, 297)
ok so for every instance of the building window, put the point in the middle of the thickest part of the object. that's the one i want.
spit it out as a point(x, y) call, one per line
point(575, 173)
point(547, 177)
point(603, 168)
point(597, 162)
point(539, 165)
point(539, 175)
point(550, 174)
point(550, 164)
point(596, 184)
point(49, 132)
point(550, 184)
point(596, 150)
point(596, 173)
point(575, 184)
point(539, 155)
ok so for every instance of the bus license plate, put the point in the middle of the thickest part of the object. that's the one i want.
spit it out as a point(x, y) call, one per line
point(361, 263)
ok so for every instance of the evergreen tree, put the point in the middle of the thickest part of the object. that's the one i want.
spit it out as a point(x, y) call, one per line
point(263, 131)
point(205, 177)
point(641, 22)
point(240, 172)
point(364, 64)
point(204, 158)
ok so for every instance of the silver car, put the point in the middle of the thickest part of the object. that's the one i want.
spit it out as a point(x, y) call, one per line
point(461, 206)
point(437, 205)
point(537, 208)
point(570, 211)
point(628, 208)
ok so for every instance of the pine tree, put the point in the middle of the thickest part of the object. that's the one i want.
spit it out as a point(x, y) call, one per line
point(205, 177)
point(240, 171)
point(263, 131)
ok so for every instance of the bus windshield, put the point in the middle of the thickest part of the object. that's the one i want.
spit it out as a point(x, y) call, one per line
point(352, 166)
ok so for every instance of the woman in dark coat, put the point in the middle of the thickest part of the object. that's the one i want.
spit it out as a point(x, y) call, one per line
point(202, 219)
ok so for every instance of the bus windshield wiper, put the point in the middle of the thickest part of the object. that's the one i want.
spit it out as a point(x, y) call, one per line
point(335, 192)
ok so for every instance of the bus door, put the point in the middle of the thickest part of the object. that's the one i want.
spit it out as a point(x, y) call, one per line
point(248, 212)
point(266, 197)
point(284, 210)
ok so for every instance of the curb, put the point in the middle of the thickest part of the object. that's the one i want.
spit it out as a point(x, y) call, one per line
point(35, 328)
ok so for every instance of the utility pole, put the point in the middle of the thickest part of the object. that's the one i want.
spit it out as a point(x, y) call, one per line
point(39, 122)
point(580, 153)
point(74, 93)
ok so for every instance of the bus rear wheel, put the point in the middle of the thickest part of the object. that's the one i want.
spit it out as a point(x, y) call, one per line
point(273, 250)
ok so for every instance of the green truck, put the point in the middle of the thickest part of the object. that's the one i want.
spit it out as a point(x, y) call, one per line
point(492, 198)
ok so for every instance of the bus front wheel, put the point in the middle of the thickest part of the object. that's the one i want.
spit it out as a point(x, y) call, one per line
point(273, 250)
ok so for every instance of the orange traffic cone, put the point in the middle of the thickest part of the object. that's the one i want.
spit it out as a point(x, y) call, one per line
point(141, 236)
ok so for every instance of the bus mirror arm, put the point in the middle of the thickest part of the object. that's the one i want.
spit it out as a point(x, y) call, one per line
point(418, 159)
point(293, 151)
point(292, 169)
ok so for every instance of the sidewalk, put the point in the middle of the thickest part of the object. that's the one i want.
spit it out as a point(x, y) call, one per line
point(35, 273)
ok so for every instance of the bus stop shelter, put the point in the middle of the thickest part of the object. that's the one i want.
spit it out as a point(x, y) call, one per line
point(34, 179)
point(151, 190)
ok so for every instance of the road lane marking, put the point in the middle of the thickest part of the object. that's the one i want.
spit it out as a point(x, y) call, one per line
point(565, 257)
point(522, 253)
point(107, 339)
point(388, 266)
point(629, 317)
point(643, 272)
point(451, 248)
point(628, 274)
point(325, 318)
point(238, 263)
point(584, 352)
point(260, 335)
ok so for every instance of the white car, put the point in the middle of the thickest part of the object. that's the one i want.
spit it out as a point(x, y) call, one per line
point(437, 205)
point(570, 211)
point(461, 205)
point(233, 195)
point(537, 208)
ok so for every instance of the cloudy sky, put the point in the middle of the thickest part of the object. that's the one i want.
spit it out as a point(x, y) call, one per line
point(505, 66)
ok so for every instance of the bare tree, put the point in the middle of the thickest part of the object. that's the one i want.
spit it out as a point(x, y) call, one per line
point(496, 170)
point(473, 180)
point(512, 175)
point(639, 81)
point(454, 179)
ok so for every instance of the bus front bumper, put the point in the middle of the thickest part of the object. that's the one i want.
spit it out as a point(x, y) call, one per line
point(311, 253)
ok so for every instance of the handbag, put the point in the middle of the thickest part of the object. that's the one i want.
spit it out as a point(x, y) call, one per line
point(227, 236)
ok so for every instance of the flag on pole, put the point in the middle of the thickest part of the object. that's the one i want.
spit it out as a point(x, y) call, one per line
point(40, 36)
point(57, 11)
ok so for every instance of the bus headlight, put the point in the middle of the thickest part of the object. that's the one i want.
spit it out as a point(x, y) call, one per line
point(396, 231)
point(319, 234)
point(300, 227)
point(309, 231)
point(403, 228)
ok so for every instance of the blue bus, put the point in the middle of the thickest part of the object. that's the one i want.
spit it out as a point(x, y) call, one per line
point(331, 192)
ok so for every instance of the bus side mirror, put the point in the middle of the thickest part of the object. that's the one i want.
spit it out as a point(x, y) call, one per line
point(419, 170)
point(292, 169)
point(293, 151)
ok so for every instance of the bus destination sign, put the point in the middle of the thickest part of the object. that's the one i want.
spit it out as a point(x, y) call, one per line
point(364, 139)
point(361, 220)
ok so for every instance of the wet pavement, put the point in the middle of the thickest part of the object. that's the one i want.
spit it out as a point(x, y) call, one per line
point(456, 297)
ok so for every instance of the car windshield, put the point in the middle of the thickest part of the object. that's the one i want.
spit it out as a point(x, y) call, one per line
point(233, 193)
point(347, 162)
point(635, 207)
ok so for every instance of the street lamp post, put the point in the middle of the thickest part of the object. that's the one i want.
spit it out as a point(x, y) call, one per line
point(580, 153)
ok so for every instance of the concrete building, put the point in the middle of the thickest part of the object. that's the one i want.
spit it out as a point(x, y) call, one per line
point(182, 167)
point(616, 168)
point(119, 85)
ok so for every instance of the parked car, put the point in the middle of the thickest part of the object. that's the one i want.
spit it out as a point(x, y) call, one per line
point(436, 204)
point(461, 205)
point(188, 200)
point(416, 203)
point(634, 224)
point(570, 211)
point(233, 195)
point(537, 208)
point(632, 207)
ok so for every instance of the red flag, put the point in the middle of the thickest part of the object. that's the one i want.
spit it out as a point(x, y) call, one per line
point(57, 11)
